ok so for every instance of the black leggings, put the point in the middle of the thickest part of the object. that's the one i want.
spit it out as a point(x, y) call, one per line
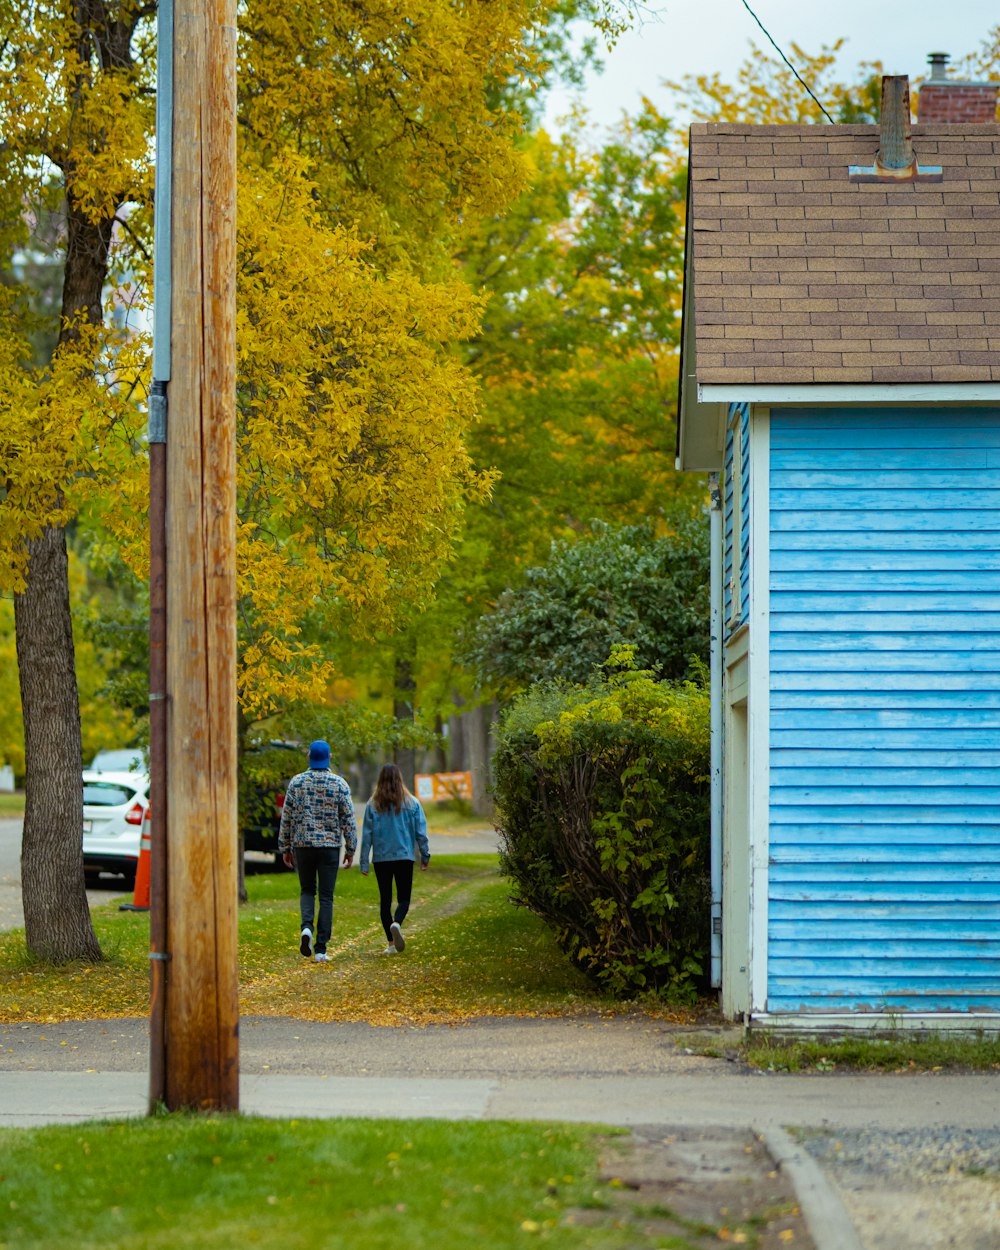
point(400, 871)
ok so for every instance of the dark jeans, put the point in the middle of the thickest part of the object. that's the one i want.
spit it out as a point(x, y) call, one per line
point(317, 868)
point(386, 872)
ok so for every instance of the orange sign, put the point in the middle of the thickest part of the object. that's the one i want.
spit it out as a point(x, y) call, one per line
point(436, 787)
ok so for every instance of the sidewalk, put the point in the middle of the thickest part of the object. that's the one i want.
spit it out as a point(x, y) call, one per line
point(760, 1103)
point(626, 1071)
point(622, 1070)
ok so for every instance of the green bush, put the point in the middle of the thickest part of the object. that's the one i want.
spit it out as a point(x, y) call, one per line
point(616, 585)
point(602, 799)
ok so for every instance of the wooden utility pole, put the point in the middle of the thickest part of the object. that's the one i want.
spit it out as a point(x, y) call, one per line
point(200, 1007)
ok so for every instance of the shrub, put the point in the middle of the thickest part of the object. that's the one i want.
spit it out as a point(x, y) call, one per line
point(603, 810)
point(616, 585)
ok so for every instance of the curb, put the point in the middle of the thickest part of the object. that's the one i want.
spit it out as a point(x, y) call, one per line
point(825, 1215)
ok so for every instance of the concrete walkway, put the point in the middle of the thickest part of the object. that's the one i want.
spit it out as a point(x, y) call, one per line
point(739, 1102)
point(621, 1070)
point(630, 1071)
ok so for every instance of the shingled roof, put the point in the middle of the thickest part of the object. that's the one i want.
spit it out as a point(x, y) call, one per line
point(798, 275)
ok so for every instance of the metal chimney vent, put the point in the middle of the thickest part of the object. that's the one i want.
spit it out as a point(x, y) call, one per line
point(938, 62)
point(895, 160)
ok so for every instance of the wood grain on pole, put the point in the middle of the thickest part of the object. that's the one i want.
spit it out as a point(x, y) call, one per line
point(202, 1011)
point(158, 942)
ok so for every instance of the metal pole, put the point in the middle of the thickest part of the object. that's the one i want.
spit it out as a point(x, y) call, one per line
point(715, 702)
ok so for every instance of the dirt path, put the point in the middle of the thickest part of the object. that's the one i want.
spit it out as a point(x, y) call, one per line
point(700, 1187)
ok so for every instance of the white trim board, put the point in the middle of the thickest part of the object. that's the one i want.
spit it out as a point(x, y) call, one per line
point(759, 699)
point(852, 393)
point(876, 1022)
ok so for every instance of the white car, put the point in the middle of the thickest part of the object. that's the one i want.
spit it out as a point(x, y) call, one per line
point(127, 760)
point(114, 807)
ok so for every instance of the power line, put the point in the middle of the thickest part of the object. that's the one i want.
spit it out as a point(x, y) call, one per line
point(788, 63)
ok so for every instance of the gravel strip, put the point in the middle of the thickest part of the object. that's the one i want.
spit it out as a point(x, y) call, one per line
point(938, 1188)
point(912, 1153)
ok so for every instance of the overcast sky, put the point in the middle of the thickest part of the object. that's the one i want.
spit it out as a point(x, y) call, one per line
point(705, 36)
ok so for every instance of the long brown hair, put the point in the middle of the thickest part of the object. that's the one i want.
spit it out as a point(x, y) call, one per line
point(390, 791)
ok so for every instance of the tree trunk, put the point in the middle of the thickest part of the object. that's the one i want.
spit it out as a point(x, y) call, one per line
point(56, 916)
point(476, 724)
point(366, 772)
point(456, 739)
point(439, 755)
point(403, 709)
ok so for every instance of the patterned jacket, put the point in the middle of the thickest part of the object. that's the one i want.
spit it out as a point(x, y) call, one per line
point(318, 811)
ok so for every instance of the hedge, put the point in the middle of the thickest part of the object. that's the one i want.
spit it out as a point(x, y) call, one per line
point(602, 796)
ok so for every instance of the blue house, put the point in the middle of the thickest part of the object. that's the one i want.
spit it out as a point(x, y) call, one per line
point(841, 386)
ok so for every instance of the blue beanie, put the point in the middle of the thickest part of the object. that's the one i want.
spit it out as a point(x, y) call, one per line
point(319, 754)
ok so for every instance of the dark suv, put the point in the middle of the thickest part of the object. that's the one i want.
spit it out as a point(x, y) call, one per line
point(265, 771)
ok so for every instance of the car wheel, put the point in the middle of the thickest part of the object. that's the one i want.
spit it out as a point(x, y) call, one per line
point(91, 878)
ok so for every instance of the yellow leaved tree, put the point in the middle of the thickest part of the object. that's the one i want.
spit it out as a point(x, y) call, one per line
point(75, 115)
point(368, 138)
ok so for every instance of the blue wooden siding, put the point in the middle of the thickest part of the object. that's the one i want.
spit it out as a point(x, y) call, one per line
point(884, 879)
point(742, 412)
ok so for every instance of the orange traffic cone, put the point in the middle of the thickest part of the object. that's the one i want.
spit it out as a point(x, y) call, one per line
point(140, 898)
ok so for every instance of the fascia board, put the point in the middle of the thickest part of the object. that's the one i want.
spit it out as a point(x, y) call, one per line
point(775, 395)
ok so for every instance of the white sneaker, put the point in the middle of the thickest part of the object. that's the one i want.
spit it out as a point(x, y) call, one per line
point(306, 942)
point(398, 941)
point(321, 957)
point(389, 950)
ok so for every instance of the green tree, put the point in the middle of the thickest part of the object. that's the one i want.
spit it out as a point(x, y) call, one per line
point(577, 355)
point(577, 364)
point(618, 585)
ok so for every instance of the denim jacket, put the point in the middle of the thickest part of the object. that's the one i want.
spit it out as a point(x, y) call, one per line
point(394, 835)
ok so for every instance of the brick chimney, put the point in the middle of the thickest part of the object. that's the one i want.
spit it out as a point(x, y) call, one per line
point(945, 100)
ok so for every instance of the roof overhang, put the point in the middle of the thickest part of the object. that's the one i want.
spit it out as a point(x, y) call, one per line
point(701, 424)
point(704, 413)
point(812, 393)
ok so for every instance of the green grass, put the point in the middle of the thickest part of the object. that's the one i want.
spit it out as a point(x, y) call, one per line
point(455, 816)
point(470, 953)
point(196, 1184)
point(11, 804)
point(867, 1054)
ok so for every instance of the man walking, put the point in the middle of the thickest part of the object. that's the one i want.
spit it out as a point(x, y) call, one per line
point(317, 819)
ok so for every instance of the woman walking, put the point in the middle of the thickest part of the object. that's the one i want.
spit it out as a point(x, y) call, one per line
point(393, 830)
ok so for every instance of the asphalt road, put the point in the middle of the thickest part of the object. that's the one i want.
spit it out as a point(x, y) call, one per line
point(11, 915)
